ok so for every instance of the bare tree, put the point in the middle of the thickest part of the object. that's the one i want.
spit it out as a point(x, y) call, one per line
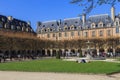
point(88, 5)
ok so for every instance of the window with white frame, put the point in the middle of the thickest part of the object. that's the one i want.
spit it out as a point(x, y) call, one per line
point(93, 25)
point(117, 23)
point(60, 34)
point(66, 34)
point(48, 35)
point(101, 33)
point(93, 34)
point(12, 27)
point(78, 33)
point(85, 34)
point(100, 24)
point(72, 33)
point(109, 32)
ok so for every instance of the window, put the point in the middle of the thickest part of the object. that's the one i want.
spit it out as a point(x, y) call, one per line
point(1, 25)
point(93, 25)
point(85, 34)
point(66, 34)
point(117, 23)
point(72, 28)
point(65, 28)
point(72, 33)
point(93, 33)
point(48, 29)
point(78, 33)
point(48, 35)
point(12, 27)
point(100, 25)
point(18, 28)
point(60, 35)
point(23, 28)
point(53, 35)
point(101, 33)
point(27, 29)
point(117, 29)
point(109, 32)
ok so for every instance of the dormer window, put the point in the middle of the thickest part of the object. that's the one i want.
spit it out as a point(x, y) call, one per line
point(72, 27)
point(48, 29)
point(65, 28)
point(3, 19)
point(93, 25)
point(117, 23)
point(100, 24)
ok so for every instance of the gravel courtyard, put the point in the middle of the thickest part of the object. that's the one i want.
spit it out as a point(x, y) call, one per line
point(5, 75)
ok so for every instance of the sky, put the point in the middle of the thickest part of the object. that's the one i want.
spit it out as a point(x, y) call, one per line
point(46, 10)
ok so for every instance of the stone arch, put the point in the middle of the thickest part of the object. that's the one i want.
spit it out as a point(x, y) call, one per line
point(117, 51)
point(54, 53)
point(43, 52)
point(110, 50)
point(39, 53)
point(60, 52)
point(7, 53)
point(73, 50)
point(101, 50)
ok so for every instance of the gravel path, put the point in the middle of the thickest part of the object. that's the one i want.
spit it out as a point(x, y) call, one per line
point(5, 75)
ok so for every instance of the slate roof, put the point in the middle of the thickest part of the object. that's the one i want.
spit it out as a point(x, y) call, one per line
point(77, 22)
point(15, 22)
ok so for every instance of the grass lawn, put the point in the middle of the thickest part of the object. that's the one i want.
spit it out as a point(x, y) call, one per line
point(54, 65)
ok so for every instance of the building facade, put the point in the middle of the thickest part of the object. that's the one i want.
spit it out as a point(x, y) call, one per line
point(10, 23)
point(97, 27)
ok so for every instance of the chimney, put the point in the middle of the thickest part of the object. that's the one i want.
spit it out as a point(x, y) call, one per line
point(113, 13)
point(10, 18)
point(84, 18)
point(39, 24)
point(29, 23)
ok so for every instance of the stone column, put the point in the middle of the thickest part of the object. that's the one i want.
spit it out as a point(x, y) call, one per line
point(45, 51)
point(98, 51)
point(76, 50)
point(83, 52)
point(106, 51)
point(51, 52)
point(113, 50)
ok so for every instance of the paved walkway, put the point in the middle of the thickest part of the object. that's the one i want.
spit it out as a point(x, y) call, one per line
point(4, 75)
